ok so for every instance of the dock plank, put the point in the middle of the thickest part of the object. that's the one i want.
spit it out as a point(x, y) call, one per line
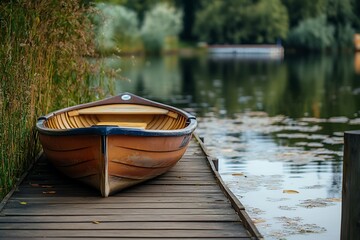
point(110, 233)
point(186, 202)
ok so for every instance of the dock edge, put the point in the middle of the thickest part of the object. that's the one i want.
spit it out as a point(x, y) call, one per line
point(235, 203)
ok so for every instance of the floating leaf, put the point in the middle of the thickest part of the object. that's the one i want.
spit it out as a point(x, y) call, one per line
point(46, 186)
point(290, 191)
point(334, 199)
point(238, 174)
point(23, 203)
point(258, 220)
point(35, 185)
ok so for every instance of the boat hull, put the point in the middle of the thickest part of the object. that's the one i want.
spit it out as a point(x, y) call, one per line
point(112, 158)
point(113, 163)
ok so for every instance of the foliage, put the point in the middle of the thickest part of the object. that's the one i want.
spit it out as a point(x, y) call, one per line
point(138, 6)
point(340, 14)
point(344, 37)
point(116, 28)
point(303, 9)
point(42, 49)
point(242, 21)
point(269, 19)
point(161, 22)
point(251, 21)
point(120, 29)
point(356, 10)
point(336, 16)
point(312, 34)
point(189, 10)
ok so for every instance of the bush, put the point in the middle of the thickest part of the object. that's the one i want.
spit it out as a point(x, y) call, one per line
point(241, 21)
point(312, 34)
point(117, 29)
point(161, 22)
point(345, 36)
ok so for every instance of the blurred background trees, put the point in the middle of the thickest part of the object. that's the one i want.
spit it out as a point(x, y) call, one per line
point(241, 21)
point(157, 25)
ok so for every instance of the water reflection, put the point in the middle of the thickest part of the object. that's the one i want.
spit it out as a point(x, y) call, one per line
point(276, 127)
point(157, 77)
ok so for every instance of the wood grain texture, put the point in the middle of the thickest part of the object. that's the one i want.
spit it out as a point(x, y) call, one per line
point(185, 202)
point(115, 143)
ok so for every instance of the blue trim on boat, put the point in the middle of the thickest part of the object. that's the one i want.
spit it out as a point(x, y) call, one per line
point(114, 130)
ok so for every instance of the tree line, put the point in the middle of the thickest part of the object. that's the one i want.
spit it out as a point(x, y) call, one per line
point(305, 24)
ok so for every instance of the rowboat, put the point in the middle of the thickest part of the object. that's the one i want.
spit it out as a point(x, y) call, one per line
point(117, 142)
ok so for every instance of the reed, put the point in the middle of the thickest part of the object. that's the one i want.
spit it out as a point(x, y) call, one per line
point(43, 46)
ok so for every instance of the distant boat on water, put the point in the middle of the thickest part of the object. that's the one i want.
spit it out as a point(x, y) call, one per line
point(251, 51)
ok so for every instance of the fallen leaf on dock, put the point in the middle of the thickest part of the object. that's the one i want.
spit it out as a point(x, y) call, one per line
point(23, 203)
point(290, 191)
point(95, 222)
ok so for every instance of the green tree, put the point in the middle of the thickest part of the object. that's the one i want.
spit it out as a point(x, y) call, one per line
point(162, 22)
point(241, 21)
point(189, 7)
point(340, 14)
point(312, 34)
point(139, 6)
point(116, 27)
point(356, 8)
point(303, 9)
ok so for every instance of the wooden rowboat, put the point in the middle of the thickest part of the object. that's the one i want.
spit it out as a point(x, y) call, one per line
point(117, 142)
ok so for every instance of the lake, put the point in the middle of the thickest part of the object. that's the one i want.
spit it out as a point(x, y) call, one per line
point(276, 125)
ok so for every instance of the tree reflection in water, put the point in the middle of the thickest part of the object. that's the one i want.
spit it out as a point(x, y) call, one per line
point(276, 125)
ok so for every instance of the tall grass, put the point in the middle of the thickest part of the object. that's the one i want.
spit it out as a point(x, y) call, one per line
point(43, 44)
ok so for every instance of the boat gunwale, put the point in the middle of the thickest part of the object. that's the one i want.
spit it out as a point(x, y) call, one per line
point(105, 130)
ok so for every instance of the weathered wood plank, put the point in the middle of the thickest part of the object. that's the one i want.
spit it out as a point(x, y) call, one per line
point(124, 233)
point(120, 218)
point(119, 199)
point(126, 226)
point(185, 202)
point(143, 189)
point(121, 194)
point(158, 181)
point(94, 212)
point(123, 199)
point(350, 217)
point(134, 238)
point(147, 205)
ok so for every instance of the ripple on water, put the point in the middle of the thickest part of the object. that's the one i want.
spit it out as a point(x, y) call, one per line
point(263, 159)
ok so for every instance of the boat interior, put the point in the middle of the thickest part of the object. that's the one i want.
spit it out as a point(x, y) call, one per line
point(121, 115)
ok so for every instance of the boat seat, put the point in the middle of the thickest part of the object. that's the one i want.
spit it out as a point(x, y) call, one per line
point(140, 125)
point(123, 109)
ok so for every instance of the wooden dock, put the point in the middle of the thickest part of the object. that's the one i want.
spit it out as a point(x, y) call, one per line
point(190, 201)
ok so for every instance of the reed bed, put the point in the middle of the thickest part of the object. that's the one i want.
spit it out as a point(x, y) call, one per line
point(43, 66)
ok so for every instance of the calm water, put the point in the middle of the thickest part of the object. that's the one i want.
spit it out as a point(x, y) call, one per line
point(276, 126)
